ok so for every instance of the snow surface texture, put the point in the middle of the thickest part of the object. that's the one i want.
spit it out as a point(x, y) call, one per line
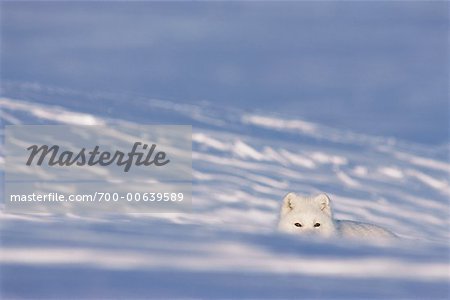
point(243, 165)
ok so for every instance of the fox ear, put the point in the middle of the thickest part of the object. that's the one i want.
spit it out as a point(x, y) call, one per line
point(324, 202)
point(287, 203)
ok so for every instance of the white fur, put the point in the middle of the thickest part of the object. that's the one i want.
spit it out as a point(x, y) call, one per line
point(316, 210)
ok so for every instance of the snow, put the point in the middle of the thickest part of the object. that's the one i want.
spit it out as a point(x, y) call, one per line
point(243, 164)
point(270, 122)
point(346, 98)
point(55, 114)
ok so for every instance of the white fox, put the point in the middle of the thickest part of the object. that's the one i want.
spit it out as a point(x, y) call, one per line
point(313, 215)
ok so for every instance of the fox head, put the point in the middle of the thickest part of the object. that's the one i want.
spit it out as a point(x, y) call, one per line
point(306, 215)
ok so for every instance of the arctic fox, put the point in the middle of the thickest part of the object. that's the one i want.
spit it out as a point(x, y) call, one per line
point(313, 215)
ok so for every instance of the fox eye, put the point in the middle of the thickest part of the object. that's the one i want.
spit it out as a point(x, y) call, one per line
point(298, 224)
point(317, 225)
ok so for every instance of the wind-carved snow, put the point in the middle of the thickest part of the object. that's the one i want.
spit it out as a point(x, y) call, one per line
point(243, 164)
point(52, 114)
point(392, 172)
point(350, 182)
point(423, 161)
point(440, 185)
point(279, 124)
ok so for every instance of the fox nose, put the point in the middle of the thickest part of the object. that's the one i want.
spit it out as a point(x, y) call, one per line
point(308, 231)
